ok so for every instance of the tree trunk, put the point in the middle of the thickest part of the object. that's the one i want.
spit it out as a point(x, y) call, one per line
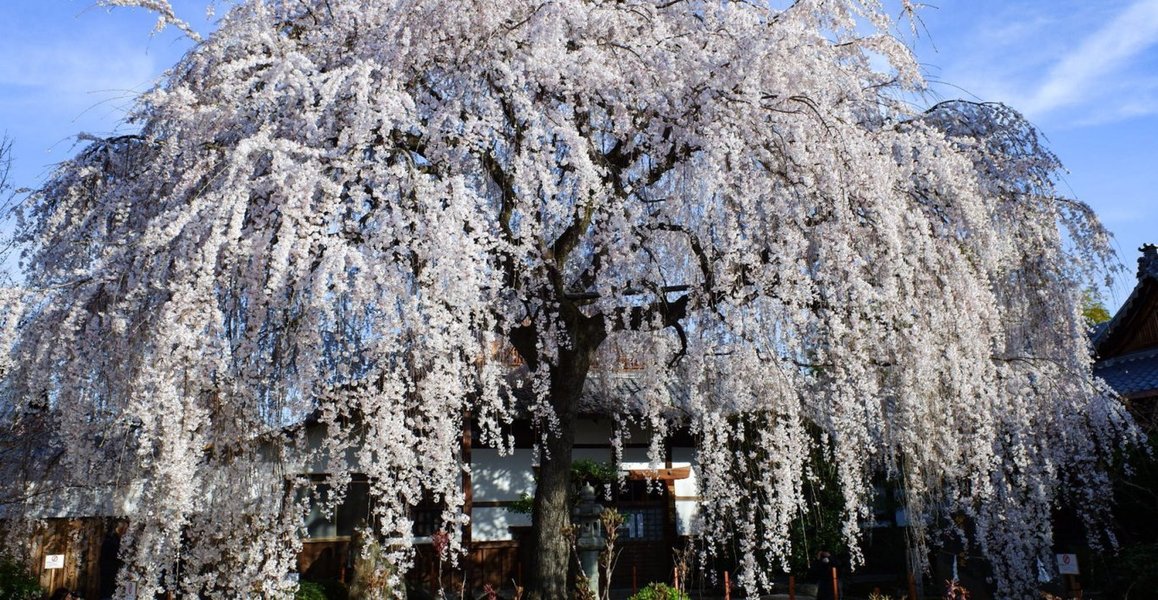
point(551, 516)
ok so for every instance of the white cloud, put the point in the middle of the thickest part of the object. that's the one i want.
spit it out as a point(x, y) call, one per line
point(72, 68)
point(1063, 63)
point(1083, 72)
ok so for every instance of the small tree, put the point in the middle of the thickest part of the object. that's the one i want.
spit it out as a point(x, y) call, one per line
point(345, 208)
point(1093, 308)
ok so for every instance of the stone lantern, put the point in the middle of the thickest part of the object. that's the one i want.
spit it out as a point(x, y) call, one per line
point(585, 516)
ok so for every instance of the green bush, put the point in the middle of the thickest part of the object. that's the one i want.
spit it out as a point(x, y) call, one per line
point(326, 589)
point(659, 591)
point(16, 583)
point(309, 590)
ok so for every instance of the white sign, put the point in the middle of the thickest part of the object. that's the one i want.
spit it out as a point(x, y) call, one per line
point(1067, 564)
point(54, 561)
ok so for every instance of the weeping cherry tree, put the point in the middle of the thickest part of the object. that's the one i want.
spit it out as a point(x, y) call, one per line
point(342, 208)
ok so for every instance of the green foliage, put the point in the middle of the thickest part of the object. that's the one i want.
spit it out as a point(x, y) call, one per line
point(1135, 570)
point(330, 589)
point(16, 583)
point(523, 506)
point(309, 590)
point(599, 474)
point(1130, 571)
point(1093, 309)
point(820, 527)
point(596, 473)
point(659, 591)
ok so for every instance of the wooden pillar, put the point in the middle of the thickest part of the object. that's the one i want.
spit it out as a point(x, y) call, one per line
point(467, 500)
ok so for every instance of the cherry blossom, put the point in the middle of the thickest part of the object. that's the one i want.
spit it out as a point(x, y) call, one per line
point(342, 210)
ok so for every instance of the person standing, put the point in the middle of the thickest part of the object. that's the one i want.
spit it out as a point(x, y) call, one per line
point(824, 573)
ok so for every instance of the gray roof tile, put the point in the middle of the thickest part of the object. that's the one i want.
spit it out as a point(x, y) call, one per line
point(1132, 373)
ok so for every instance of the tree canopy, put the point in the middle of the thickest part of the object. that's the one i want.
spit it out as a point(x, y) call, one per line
point(344, 207)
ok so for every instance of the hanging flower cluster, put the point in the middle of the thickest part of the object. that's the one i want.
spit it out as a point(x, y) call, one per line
point(337, 210)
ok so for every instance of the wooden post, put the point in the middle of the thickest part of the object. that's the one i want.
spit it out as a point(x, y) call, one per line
point(465, 448)
point(634, 580)
point(727, 587)
point(912, 587)
point(1074, 587)
point(835, 587)
point(791, 587)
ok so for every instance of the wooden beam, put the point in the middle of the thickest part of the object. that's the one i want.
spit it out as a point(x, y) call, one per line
point(660, 474)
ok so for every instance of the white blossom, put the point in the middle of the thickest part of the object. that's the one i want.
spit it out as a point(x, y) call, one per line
point(341, 208)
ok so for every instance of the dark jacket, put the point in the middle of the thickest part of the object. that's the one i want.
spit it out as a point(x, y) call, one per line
point(823, 572)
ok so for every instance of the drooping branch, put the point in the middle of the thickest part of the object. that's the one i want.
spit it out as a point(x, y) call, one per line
point(567, 241)
point(332, 193)
point(702, 259)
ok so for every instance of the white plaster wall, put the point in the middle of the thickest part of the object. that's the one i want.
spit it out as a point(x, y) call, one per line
point(490, 524)
point(687, 517)
point(496, 478)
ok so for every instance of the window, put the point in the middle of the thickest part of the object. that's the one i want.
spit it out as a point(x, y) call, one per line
point(353, 512)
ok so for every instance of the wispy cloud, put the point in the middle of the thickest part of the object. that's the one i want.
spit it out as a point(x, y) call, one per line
point(1104, 54)
point(70, 68)
point(1063, 63)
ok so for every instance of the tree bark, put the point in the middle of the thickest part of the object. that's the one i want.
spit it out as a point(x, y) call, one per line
point(551, 515)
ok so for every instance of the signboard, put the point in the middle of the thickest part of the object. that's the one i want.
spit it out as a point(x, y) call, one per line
point(54, 561)
point(1067, 564)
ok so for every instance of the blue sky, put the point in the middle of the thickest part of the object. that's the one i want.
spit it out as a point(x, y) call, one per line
point(1085, 72)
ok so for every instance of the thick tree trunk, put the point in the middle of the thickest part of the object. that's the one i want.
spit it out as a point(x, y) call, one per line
point(551, 516)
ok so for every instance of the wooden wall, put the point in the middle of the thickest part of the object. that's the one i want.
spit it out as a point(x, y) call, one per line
point(496, 563)
point(79, 540)
point(499, 564)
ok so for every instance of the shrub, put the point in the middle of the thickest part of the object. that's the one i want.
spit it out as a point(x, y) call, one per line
point(659, 591)
point(308, 590)
point(16, 583)
point(326, 589)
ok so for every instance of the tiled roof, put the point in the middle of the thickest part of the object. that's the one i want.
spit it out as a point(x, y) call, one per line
point(1132, 373)
point(1147, 272)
